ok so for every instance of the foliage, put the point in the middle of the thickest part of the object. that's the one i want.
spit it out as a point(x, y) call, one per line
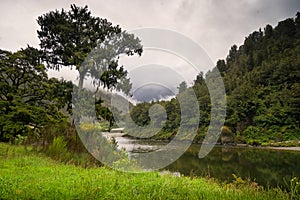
point(58, 147)
point(239, 182)
point(68, 38)
point(28, 100)
point(261, 79)
point(37, 108)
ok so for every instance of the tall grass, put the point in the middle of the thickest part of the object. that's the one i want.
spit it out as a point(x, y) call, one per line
point(25, 174)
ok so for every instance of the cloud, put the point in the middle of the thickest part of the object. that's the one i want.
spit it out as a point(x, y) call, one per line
point(214, 25)
point(151, 92)
point(157, 74)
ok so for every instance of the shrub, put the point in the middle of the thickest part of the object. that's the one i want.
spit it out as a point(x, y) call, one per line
point(58, 149)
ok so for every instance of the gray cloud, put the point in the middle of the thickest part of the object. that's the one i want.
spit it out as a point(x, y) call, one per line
point(157, 74)
point(152, 92)
point(213, 24)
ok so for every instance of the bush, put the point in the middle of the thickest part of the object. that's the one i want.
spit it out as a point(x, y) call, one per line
point(225, 131)
point(239, 139)
point(58, 149)
point(20, 139)
point(251, 132)
point(227, 135)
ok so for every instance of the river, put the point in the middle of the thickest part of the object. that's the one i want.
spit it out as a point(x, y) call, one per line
point(267, 167)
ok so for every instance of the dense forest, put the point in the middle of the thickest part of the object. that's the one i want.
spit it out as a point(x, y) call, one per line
point(261, 79)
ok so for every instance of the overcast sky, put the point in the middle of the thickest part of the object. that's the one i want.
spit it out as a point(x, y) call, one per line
point(214, 24)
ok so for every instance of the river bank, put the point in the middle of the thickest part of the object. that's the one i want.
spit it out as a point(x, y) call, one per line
point(286, 145)
point(25, 174)
point(278, 147)
point(284, 148)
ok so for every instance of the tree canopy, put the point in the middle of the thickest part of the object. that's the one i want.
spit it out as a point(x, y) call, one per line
point(68, 38)
point(27, 98)
point(30, 101)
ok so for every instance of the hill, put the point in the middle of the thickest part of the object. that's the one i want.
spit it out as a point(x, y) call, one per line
point(262, 82)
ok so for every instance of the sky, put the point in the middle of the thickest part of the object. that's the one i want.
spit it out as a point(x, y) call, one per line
point(215, 25)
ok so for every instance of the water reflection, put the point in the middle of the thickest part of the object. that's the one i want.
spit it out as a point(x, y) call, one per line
point(266, 167)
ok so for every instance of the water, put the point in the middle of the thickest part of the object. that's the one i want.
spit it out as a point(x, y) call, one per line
point(269, 168)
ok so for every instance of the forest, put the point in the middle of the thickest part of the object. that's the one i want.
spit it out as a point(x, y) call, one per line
point(262, 85)
point(261, 79)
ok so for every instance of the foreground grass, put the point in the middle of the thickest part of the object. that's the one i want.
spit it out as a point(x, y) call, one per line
point(29, 175)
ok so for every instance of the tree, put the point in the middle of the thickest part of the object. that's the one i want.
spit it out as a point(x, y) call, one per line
point(68, 37)
point(24, 94)
point(221, 65)
point(286, 28)
point(104, 113)
point(232, 54)
point(199, 79)
point(268, 31)
point(60, 93)
point(182, 87)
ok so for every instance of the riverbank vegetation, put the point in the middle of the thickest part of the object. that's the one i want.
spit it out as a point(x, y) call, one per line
point(27, 174)
point(261, 79)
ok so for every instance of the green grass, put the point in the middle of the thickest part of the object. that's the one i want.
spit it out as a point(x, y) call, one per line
point(25, 174)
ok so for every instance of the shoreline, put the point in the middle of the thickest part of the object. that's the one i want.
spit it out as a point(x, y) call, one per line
point(245, 146)
point(279, 148)
point(283, 148)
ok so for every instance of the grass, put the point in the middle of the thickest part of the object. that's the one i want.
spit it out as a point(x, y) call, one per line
point(25, 174)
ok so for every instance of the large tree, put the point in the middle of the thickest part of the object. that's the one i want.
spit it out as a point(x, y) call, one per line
point(68, 38)
point(27, 100)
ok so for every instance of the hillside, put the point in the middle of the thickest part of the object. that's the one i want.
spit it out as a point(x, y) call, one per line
point(262, 82)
